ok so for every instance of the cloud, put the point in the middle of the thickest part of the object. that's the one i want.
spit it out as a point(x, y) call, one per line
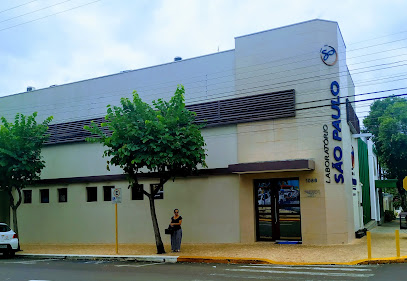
point(111, 36)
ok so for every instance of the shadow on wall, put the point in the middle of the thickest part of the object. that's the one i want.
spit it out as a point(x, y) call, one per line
point(4, 208)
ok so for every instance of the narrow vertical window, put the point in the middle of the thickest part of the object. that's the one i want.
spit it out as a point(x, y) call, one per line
point(137, 192)
point(92, 194)
point(44, 195)
point(107, 193)
point(27, 196)
point(62, 195)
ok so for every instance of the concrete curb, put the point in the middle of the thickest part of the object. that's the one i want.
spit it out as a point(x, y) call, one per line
point(168, 259)
point(267, 261)
point(193, 259)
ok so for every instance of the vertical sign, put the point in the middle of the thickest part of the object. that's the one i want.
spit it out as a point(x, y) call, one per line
point(116, 198)
point(116, 195)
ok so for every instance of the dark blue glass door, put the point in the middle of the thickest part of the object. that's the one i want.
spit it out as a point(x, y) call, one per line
point(278, 213)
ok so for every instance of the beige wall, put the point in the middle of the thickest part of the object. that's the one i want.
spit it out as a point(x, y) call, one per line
point(85, 159)
point(208, 206)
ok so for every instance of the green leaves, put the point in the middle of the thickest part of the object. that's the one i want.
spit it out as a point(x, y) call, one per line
point(20, 150)
point(387, 121)
point(162, 138)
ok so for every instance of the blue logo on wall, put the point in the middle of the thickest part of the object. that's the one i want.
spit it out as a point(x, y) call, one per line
point(328, 55)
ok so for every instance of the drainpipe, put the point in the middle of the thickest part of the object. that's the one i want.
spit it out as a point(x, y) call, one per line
point(374, 202)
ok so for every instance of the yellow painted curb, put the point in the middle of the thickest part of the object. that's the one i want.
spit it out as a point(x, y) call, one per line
point(230, 260)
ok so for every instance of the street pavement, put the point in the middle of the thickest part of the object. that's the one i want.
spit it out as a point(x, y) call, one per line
point(23, 269)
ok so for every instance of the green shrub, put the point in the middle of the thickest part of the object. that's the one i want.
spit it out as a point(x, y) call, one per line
point(389, 216)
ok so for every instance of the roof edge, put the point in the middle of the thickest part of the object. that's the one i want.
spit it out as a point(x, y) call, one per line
point(290, 25)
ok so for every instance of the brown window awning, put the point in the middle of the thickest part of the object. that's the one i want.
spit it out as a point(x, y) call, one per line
point(273, 166)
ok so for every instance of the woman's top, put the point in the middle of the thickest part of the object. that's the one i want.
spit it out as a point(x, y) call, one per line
point(176, 227)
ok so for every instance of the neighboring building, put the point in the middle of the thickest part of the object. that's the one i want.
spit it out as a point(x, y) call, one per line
point(369, 174)
point(279, 120)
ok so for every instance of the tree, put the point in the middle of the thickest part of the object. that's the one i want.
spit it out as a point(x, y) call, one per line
point(20, 156)
point(163, 139)
point(387, 121)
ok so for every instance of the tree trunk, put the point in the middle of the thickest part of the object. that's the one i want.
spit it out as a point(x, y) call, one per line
point(15, 219)
point(158, 241)
point(14, 207)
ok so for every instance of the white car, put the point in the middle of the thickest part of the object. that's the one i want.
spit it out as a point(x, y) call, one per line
point(9, 243)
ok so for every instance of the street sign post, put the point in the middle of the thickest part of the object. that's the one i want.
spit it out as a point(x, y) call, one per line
point(116, 195)
point(116, 198)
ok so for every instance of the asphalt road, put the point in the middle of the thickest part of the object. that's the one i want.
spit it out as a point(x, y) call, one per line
point(19, 269)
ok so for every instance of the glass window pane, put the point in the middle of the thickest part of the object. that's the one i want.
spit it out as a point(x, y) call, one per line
point(44, 195)
point(62, 195)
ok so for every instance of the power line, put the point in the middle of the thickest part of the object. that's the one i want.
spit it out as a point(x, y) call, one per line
point(50, 15)
point(246, 72)
point(251, 89)
point(305, 120)
point(109, 95)
point(375, 38)
point(287, 125)
point(32, 12)
point(17, 6)
point(84, 117)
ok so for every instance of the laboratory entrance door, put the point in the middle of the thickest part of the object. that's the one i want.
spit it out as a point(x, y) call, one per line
point(278, 215)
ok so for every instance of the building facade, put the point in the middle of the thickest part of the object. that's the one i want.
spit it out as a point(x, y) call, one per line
point(282, 163)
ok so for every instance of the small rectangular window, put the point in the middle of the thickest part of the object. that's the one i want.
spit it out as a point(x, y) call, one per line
point(4, 228)
point(62, 195)
point(27, 196)
point(44, 195)
point(92, 193)
point(107, 193)
point(137, 192)
point(160, 193)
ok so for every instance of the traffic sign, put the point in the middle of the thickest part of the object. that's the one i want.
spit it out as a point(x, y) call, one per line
point(116, 195)
point(405, 183)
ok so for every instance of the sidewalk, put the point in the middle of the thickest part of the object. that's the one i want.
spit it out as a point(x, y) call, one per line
point(383, 248)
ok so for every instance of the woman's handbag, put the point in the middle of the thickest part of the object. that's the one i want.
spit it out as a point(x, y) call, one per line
point(169, 230)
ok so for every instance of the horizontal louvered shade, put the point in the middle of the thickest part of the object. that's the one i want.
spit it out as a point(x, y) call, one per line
point(230, 111)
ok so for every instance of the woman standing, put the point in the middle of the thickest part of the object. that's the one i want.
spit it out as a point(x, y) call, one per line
point(176, 236)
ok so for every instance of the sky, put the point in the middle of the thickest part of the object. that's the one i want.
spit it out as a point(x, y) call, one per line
point(53, 42)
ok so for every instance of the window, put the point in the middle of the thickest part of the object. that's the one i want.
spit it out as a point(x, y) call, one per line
point(4, 228)
point(44, 195)
point(107, 193)
point(92, 193)
point(137, 192)
point(27, 196)
point(160, 193)
point(62, 195)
